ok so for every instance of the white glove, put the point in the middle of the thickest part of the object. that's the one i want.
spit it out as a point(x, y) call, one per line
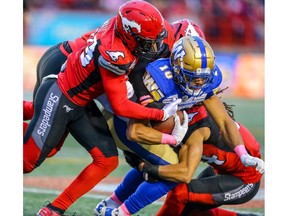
point(130, 89)
point(179, 130)
point(248, 160)
point(170, 109)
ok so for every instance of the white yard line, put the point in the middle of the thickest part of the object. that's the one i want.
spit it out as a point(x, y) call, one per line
point(109, 188)
point(57, 192)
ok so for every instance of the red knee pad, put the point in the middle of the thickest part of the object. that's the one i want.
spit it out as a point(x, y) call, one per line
point(31, 153)
point(111, 163)
point(28, 110)
point(108, 164)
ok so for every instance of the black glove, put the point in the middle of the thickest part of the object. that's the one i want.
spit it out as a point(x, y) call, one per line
point(132, 159)
point(149, 178)
point(150, 172)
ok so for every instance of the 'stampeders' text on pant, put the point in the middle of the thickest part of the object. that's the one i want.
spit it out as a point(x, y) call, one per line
point(53, 99)
point(238, 194)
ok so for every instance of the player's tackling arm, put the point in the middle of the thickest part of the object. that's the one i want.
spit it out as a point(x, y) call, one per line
point(225, 123)
point(116, 91)
point(231, 133)
point(189, 158)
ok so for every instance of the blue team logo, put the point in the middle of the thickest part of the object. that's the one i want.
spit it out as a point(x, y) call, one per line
point(178, 50)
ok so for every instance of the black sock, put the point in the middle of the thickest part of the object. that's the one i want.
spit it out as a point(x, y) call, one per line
point(55, 208)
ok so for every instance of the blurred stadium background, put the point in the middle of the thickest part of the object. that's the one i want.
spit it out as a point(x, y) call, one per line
point(234, 28)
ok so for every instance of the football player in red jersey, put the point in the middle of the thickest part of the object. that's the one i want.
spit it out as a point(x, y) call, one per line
point(101, 66)
point(225, 182)
point(50, 63)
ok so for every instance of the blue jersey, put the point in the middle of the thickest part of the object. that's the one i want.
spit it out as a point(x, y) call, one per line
point(159, 81)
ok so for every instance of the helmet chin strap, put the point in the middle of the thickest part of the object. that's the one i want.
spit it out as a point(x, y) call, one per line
point(191, 92)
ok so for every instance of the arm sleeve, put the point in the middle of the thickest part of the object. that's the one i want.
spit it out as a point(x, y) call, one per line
point(116, 91)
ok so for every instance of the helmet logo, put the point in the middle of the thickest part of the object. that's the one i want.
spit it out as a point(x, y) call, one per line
point(115, 55)
point(190, 30)
point(178, 50)
point(128, 25)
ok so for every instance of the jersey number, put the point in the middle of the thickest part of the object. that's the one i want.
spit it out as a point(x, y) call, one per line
point(87, 54)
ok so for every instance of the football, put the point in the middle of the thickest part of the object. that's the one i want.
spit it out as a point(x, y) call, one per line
point(168, 125)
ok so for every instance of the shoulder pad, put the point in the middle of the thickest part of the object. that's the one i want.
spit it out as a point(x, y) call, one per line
point(161, 72)
point(158, 78)
point(217, 80)
point(113, 68)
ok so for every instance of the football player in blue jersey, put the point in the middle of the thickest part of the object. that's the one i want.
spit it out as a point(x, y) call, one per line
point(192, 75)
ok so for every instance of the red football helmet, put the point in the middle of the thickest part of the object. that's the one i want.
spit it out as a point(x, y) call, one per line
point(141, 27)
point(186, 27)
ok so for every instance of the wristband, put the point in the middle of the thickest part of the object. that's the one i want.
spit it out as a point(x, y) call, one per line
point(151, 169)
point(240, 150)
point(146, 99)
point(168, 139)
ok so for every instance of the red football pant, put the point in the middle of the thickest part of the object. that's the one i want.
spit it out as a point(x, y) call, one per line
point(178, 197)
point(31, 153)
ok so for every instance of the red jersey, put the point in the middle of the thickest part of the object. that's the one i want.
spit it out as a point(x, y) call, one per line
point(69, 46)
point(81, 41)
point(218, 154)
point(102, 66)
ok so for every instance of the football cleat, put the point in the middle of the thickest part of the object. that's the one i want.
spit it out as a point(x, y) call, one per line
point(106, 211)
point(49, 210)
point(100, 207)
point(46, 211)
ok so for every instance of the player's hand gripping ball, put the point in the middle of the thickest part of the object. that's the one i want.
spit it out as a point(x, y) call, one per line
point(167, 125)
